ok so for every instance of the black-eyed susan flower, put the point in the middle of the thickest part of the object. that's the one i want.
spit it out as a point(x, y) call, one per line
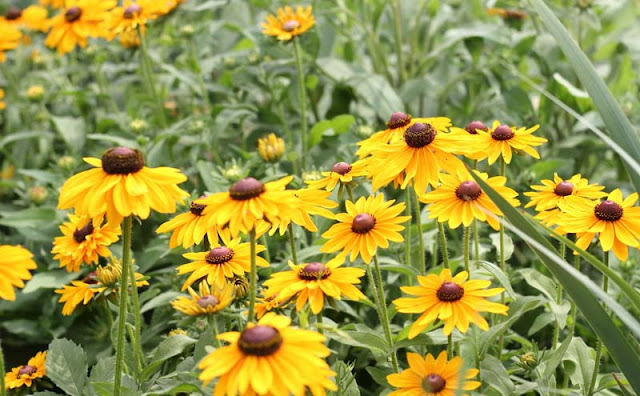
point(83, 241)
point(459, 199)
point(429, 376)
point(271, 147)
point(419, 156)
point(210, 299)
point(307, 202)
point(33, 17)
point(77, 22)
point(221, 263)
point(132, 16)
point(269, 358)
point(10, 38)
point(469, 134)
point(313, 281)
point(368, 224)
point(454, 300)
point(247, 203)
point(501, 141)
point(120, 186)
point(287, 24)
point(189, 228)
point(27, 374)
point(15, 264)
point(266, 304)
point(341, 173)
point(549, 195)
point(615, 220)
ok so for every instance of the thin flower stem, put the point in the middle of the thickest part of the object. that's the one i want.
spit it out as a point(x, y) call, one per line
point(449, 346)
point(302, 94)
point(213, 325)
point(556, 328)
point(572, 318)
point(385, 315)
point(267, 256)
point(122, 315)
point(476, 240)
point(466, 249)
point(253, 280)
point(349, 192)
point(147, 74)
point(3, 391)
point(443, 245)
point(137, 317)
point(319, 323)
point(397, 22)
point(407, 231)
point(423, 265)
point(292, 242)
point(503, 266)
point(599, 346)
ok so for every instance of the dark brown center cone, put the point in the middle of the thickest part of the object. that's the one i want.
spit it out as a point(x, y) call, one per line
point(363, 223)
point(608, 211)
point(468, 191)
point(473, 125)
point(502, 132)
point(341, 168)
point(419, 135)
point(449, 292)
point(398, 120)
point(260, 340)
point(246, 188)
point(564, 188)
point(122, 161)
point(219, 255)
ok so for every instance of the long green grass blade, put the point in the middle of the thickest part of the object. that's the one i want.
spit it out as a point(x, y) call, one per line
point(620, 128)
point(580, 288)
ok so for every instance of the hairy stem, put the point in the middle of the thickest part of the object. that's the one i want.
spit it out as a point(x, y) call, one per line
point(386, 325)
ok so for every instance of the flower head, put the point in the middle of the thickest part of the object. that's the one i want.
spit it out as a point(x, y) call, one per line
point(429, 376)
point(10, 38)
point(455, 300)
point(270, 147)
point(120, 185)
point(615, 220)
point(368, 224)
point(26, 374)
point(15, 264)
point(83, 240)
point(502, 140)
point(307, 202)
point(341, 173)
point(33, 17)
point(287, 24)
point(552, 192)
point(133, 16)
point(269, 357)
point(220, 264)
point(208, 300)
point(313, 281)
point(266, 304)
point(459, 199)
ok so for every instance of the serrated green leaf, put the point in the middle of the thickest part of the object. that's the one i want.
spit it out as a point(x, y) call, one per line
point(66, 366)
point(49, 280)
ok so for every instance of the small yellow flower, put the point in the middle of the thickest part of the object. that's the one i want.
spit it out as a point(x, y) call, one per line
point(209, 300)
point(35, 92)
point(177, 332)
point(288, 24)
point(502, 140)
point(132, 16)
point(130, 39)
point(16, 263)
point(342, 173)
point(25, 375)
point(271, 147)
point(10, 38)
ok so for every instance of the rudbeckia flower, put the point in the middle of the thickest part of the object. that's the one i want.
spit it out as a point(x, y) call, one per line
point(33, 17)
point(15, 264)
point(429, 376)
point(83, 241)
point(455, 300)
point(501, 141)
point(132, 16)
point(10, 38)
point(307, 202)
point(368, 224)
point(341, 173)
point(313, 281)
point(120, 186)
point(615, 220)
point(459, 199)
point(25, 375)
point(287, 24)
point(209, 300)
point(269, 357)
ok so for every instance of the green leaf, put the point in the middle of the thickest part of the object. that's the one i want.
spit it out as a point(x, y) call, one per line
point(497, 273)
point(49, 280)
point(618, 125)
point(66, 366)
point(554, 359)
point(160, 300)
point(496, 376)
point(579, 362)
point(28, 218)
point(508, 244)
point(15, 137)
point(347, 385)
point(72, 131)
point(580, 288)
point(170, 347)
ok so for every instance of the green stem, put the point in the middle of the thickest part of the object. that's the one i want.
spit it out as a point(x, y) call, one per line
point(476, 240)
point(466, 249)
point(292, 242)
point(423, 265)
point(599, 346)
point(267, 256)
point(572, 319)
point(397, 33)
point(147, 74)
point(449, 346)
point(302, 94)
point(349, 192)
point(122, 315)
point(385, 314)
point(137, 317)
point(213, 325)
point(407, 231)
point(503, 266)
point(253, 281)
point(556, 328)
point(443, 245)
point(3, 392)
point(319, 323)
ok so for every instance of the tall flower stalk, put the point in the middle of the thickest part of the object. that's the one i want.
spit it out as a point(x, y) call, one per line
point(378, 290)
point(147, 75)
point(122, 315)
point(253, 278)
point(599, 346)
point(302, 96)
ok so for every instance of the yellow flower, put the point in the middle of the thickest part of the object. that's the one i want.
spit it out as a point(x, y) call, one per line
point(616, 220)
point(459, 199)
point(341, 172)
point(130, 39)
point(52, 3)
point(178, 332)
point(456, 301)
point(471, 147)
point(83, 241)
point(502, 140)
point(247, 203)
point(288, 24)
point(190, 228)
point(433, 377)
point(35, 92)
point(132, 16)
point(266, 304)
point(15, 263)
point(10, 38)
point(312, 281)
point(368, 224)
point(307, 202)
point(419, 156)
point(25, 375)
point(549, 195)
point(270, 147)
point(2, 107)
point(210, 300)
point(33, 17)
point(79, 20)
point(120, 185)
point(269, 358)
point(220, 263)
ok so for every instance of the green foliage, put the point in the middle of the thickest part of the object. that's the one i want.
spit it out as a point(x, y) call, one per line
point(66, 366)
